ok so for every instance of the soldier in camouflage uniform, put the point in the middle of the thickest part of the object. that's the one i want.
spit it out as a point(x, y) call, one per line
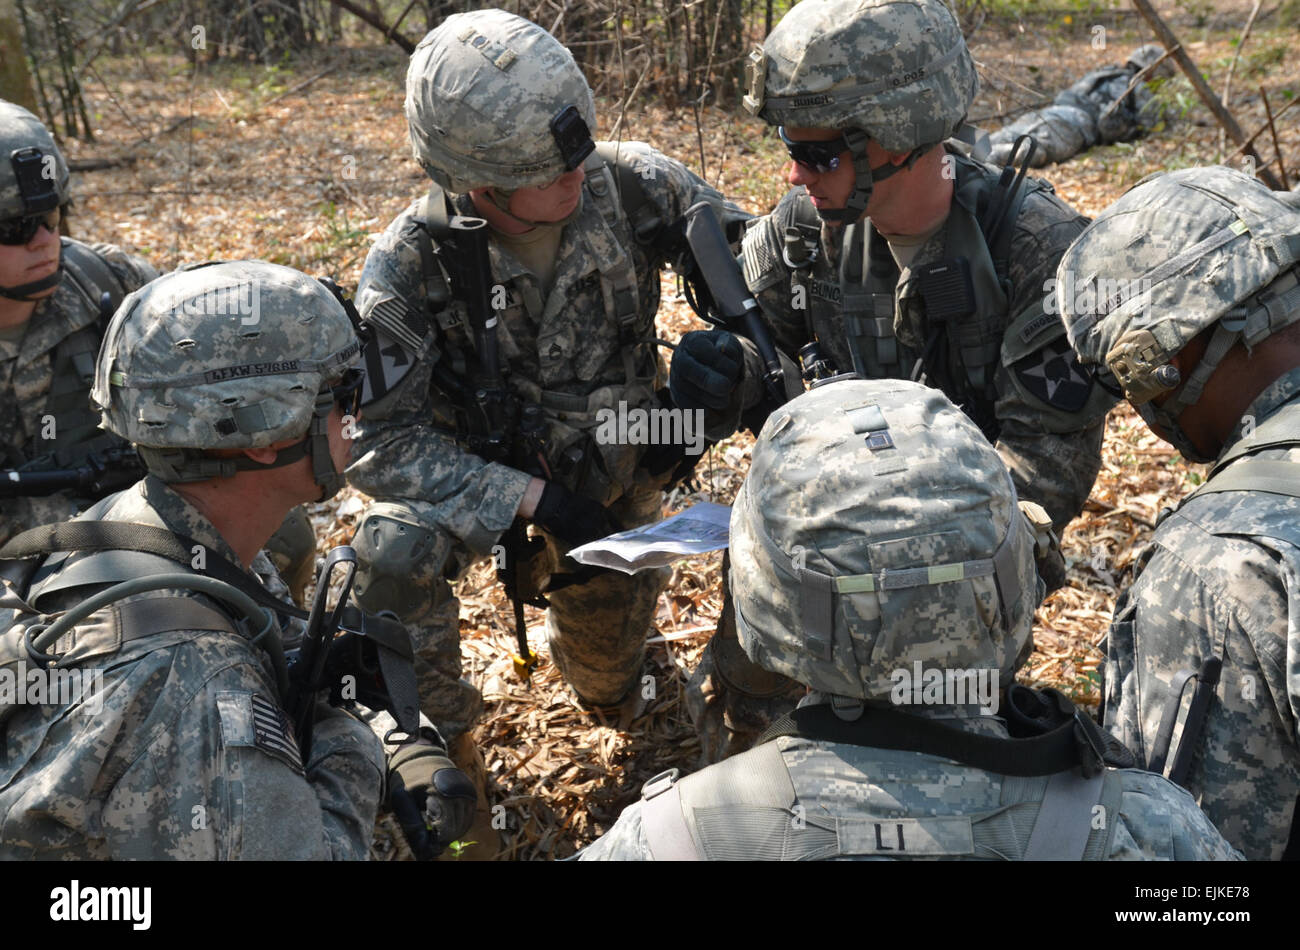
point(499, 117)
point(895, 256)
point(882, 547)
point(182, 750)
point(1186, 290)
point(50, 320)
point(1087, 114)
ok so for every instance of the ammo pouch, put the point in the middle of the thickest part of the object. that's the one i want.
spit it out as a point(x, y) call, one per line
point(586, 447)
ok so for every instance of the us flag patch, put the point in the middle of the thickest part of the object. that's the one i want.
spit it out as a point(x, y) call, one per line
point(273, 733)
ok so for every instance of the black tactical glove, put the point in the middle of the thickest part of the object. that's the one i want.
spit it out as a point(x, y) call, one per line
point(572, 518)
point(707, 366)
point(661, 459)
point(433, 801)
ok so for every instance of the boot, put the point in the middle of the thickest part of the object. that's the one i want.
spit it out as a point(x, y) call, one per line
point(487, 840)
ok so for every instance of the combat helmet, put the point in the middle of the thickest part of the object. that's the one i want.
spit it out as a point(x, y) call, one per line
point(493, 100)
point(33, 180)
point(227, 355)
point(878, 528)
point(897, 71)
point(1177, 254)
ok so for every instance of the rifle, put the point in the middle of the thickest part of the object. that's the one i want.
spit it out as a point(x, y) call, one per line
point(355, 655)
point(492, 412)
point(104, 472)
point(733, 306)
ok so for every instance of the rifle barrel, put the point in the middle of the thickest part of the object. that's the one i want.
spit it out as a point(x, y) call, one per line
point(736, 305)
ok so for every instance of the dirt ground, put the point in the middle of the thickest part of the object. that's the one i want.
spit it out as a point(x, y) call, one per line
point(303, 164)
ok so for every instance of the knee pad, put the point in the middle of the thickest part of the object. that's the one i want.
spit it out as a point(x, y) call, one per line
point(400, 560)
point(292, 549)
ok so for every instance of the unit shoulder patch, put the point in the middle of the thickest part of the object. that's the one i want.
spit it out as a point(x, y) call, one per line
point(1054, 375)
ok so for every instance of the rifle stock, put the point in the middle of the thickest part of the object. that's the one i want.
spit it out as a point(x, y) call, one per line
point(736, 309)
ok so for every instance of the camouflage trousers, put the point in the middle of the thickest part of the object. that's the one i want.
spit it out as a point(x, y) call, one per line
point(596, 629)
point(731, 699)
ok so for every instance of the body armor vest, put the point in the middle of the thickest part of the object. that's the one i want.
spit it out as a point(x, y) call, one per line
point(604, 469)
point(1188, 531)
point(962, 303)
point(67, 404)
point(749, 807)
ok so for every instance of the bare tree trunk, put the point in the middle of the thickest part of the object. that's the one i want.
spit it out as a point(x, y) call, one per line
point(15, 76)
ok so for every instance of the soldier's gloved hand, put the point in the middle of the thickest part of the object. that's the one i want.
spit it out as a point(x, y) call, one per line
point(571, 517)
point(432, 800)
point(707, 366)
point(672, 459)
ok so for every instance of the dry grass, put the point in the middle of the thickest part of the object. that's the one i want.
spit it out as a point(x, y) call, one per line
point(308, 179)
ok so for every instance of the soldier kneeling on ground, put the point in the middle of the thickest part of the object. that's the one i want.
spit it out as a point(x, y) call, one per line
point(881, 559)
point(56, 298)
point(177, 743)
point(1186, 294)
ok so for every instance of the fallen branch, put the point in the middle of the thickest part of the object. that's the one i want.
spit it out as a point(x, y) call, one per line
point(1241, 43)
point(298, 87)
point(1264, 128)
point(1277, 146)
point(1203, 90)
point(1138, 77)
point(365, 16)
point(402, 16)
point(99, 164)
point(686, 634)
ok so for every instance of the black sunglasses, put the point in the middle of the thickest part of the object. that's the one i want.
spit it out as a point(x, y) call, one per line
point(16, 231)
point(347, 391)
point(821, 157)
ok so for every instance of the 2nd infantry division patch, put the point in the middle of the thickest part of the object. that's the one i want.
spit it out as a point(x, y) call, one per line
point(1055, 375)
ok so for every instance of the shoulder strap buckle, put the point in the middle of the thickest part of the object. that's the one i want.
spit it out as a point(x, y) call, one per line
point(660, 784)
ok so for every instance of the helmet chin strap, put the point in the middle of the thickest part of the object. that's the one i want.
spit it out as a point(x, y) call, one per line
point(327, 476)
point(187, 465)
point(866, 179)
point(501, 201)
point(23, 292)
point(1167, 416)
